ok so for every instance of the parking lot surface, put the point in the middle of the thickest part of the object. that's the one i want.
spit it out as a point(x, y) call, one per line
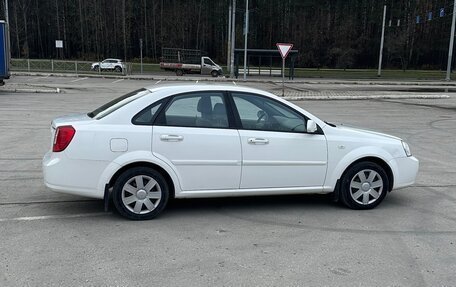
point(52, 239)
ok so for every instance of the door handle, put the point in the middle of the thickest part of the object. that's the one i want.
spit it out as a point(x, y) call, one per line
point(257, 141)
point(171, 138)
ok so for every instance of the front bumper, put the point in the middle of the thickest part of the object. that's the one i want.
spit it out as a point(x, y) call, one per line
point(405, 170)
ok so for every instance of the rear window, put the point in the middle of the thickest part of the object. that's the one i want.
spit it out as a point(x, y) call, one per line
point(115, 104)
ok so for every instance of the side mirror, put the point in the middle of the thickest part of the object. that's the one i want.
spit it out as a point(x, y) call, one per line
point(311, 127)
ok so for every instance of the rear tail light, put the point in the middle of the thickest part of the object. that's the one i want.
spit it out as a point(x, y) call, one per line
point(62, 138)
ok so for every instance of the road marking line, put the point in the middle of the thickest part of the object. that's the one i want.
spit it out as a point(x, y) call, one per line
point(197, 81)
point(344, 85)
point(44, 217)
point(80, 79)
point(158, 82)
point(234, 83)
point(116, 81)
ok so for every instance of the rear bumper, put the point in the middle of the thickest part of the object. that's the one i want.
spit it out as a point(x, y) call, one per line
point(405, 170)
point(76, 177)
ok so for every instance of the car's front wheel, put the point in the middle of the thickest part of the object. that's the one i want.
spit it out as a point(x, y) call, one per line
point(140, 193)
point(364, 186)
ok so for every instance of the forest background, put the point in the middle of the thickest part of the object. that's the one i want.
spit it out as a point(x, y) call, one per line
point(327, 33)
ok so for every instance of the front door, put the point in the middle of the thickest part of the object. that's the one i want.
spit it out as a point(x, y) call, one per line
point(193, 136)
point(276, 150)
point(206, 66)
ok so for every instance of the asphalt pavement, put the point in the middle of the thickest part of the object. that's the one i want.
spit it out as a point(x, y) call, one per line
point(52, 239)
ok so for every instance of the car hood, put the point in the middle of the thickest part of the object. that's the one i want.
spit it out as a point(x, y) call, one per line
point(366, 132)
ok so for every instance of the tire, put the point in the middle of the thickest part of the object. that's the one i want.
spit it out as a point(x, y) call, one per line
point(118, 69)
point(364, 186)
point(214, 73)
point(140, 203)
point(95, 68)
point(179, 73)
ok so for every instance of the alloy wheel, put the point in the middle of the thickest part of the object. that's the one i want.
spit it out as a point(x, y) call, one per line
point(366, 187)
point(141, 194)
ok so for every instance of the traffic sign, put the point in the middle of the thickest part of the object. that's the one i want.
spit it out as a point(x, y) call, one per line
point(58, 43)
point(284, 49)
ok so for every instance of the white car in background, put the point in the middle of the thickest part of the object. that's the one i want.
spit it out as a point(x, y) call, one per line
point(190, 141)
point(109, 65)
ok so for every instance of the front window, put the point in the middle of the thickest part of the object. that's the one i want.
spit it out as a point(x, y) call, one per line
point(261, 113)
point(115, 104)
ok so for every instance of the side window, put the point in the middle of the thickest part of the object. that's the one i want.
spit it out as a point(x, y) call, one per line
point(261, 113)
point(196, 110)
point(146, 116)
point(207, 62)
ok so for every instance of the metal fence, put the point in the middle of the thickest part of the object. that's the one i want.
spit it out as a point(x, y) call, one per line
point(77, 67)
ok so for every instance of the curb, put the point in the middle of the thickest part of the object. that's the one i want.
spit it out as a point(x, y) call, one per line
point(371, 97)
point(22, 90)
point(223, 79)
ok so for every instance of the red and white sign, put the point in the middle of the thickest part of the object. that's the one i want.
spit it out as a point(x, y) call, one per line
point(284, 49)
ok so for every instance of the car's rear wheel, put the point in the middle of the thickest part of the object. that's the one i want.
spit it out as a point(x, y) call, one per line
point(364, 186)
point(140, 193)
point(179, 73)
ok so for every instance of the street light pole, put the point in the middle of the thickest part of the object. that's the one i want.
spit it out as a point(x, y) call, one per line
point(8, 29)
point(233, 39)
point(245, 37)
point(6, 12)
point(379, 73)
point(450, 48)
point(228, 51)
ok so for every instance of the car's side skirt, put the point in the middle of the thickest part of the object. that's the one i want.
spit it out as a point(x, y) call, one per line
point(252, 192)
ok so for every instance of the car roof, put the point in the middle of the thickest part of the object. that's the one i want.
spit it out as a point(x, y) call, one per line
point(181, 88)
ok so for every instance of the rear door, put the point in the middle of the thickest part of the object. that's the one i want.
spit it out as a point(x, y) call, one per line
point(193, 135)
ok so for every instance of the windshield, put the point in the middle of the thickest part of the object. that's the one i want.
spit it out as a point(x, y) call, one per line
point(115, 104)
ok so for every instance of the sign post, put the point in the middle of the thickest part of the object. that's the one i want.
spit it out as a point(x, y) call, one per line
point(59, 45)
point(284, 49)
point(140, 51)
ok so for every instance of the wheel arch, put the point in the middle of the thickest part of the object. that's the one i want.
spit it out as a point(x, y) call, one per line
point(154, 166)
point(383, 164)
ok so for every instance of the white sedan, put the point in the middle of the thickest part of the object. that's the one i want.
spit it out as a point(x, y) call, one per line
point(190, 141)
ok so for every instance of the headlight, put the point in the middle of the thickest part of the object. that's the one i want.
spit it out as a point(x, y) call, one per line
point(406, 149)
